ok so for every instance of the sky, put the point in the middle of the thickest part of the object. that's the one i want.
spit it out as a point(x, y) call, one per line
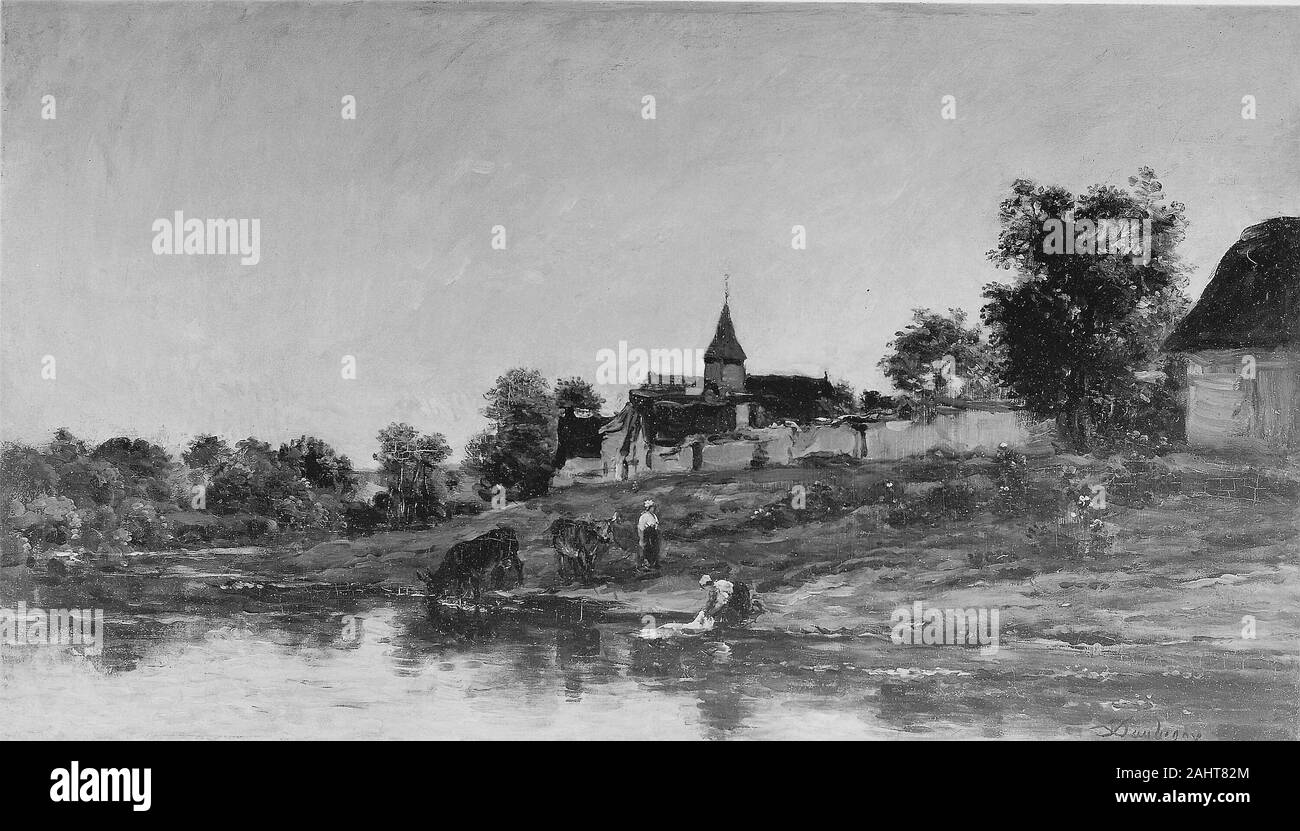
point(376, 233)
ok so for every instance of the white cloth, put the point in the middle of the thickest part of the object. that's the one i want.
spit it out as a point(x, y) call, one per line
point(647, 520)
point(670, 630)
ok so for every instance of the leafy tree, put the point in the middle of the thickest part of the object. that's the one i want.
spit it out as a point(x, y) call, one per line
point(576, 393)
point(874, 400)
point(147, 470)
point(418, 488)
point(255, 479)
point(843, 400)
point(319, 464)
point(519, 451)
point(1073, 328)
point(81, 478)
point(205, 452)
point(25, 473)
point(928, 339)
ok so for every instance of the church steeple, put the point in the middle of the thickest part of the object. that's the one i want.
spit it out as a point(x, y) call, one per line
point(725, 347)
point(724, 360)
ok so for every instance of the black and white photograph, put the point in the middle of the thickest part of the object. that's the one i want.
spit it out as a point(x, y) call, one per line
point(559, 371)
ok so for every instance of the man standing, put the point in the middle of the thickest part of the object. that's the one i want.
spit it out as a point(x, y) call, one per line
point(647, 531)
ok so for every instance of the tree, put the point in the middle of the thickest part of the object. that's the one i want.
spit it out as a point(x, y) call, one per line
point(875, 401)
point(84, 480)
point(519, 450)
point(255, 479)
point(205, 452)
point(417, 487)
point(576, 393)
point(146, 468)
point(843, 400)
point(320, 465)
point(1075, 327)
point(25, 473)
point(925, 342)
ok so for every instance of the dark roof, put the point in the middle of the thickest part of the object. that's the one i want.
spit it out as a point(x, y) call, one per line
point(725, 346)
point(789, 386)
point(1254, 299)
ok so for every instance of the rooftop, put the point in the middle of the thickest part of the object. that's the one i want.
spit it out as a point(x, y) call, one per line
point(1253, 301)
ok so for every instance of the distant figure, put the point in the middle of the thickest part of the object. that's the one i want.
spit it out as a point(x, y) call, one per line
point(647, 531)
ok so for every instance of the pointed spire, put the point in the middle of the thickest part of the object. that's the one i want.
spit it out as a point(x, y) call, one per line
point(725, 347)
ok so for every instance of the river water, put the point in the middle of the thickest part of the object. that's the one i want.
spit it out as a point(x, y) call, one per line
point(182, 661)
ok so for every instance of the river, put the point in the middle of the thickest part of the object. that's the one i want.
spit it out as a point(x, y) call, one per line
point(180, 661)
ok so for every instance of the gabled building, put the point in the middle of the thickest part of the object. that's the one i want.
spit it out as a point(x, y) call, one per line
point(1242, 344)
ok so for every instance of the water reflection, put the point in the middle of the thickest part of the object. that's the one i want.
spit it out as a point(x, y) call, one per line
point(203, 663)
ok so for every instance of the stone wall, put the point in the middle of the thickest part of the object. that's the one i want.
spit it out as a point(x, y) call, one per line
point(957, 431)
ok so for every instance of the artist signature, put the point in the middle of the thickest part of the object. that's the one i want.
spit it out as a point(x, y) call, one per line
point(1128, 729)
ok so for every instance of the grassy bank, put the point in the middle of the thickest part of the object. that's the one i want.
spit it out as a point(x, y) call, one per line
point(1182, 551)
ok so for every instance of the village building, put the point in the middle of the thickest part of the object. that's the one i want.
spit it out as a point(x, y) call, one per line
point(732, 420)
point(673, 416)
point(1242, 345)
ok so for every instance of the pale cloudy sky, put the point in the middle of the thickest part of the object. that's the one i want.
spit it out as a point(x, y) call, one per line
point(376, 233)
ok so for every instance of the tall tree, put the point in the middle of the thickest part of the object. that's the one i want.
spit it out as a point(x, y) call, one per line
point(1074, 327)
point(519, 451)
point(417, 485)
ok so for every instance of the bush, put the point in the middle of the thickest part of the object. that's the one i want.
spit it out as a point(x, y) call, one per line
point(362, 517)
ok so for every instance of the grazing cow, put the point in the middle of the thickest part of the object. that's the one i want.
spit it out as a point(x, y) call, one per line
point(578, 543)
point(466, 563)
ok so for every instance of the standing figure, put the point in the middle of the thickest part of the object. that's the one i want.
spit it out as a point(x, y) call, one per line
point(647, 531)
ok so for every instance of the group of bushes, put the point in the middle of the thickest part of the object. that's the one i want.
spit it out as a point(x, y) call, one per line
point(129, 494)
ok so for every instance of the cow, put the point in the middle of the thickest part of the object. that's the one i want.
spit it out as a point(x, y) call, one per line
point(467, 562)
point(578, 543)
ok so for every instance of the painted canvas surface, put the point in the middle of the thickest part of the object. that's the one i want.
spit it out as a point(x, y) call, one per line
point(663, 371)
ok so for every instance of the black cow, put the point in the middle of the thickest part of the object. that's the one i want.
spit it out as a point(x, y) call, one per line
point(466, 563)
point(578, 543)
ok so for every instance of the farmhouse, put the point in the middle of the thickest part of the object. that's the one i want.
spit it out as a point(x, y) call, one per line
point(1242, 344)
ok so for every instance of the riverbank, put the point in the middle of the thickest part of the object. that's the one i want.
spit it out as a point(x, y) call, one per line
point(1183, 555)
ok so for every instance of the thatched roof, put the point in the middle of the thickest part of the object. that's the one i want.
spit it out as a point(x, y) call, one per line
point(725, 347)
point(1254, 299)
